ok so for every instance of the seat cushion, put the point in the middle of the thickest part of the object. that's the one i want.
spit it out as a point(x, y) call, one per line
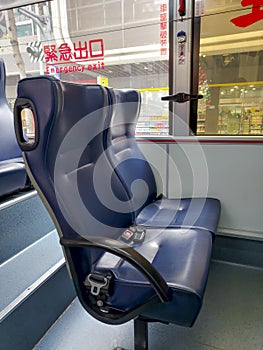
point(187, 212)
point(12, 177)
point(182, 257)
point(12, 161)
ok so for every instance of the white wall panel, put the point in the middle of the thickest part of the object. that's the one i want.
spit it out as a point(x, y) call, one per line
point(156, 155)
point(231, 172)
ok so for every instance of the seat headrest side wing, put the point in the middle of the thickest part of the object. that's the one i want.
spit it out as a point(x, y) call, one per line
point(2, 79)
point(8, 144)
point(42, 109)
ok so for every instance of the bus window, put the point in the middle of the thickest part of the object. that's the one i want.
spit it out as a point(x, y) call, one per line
point(230, 69)
point(117, 43)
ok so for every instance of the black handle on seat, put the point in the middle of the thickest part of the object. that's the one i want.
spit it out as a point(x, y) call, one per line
point(130, 255)
point(181, 97)
point(20, 105)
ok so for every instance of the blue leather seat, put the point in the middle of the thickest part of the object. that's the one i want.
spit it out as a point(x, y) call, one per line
point(159, 275)
point(125, 156)
point(12, 169)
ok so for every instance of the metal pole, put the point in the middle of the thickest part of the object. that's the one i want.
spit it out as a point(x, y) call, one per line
point(140, 334)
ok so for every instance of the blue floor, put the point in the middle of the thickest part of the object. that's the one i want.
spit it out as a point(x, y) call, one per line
point(231, 319)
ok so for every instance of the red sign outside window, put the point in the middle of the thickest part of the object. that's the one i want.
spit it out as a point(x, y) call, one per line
point(163, 29)
point(254, 16)
point(87, 53)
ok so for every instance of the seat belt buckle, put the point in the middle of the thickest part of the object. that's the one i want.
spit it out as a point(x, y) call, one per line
point(128, 235)
point(139, 235)
point(98, 284)
point(134, 234)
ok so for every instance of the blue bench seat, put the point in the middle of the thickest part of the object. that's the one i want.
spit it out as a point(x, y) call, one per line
point(13, 175)
point(98, 186)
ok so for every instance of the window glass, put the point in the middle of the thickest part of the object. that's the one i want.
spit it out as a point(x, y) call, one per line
point(118, 43)
point(231, 69)
point(24, 30)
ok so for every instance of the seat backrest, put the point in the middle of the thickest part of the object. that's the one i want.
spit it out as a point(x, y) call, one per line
point(67, 161)
point(8, 144)
point(127, 159)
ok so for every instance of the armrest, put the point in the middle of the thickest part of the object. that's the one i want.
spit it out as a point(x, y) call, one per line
point(130, 255)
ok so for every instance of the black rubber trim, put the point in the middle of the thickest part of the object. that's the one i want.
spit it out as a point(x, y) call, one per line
point(130, 255)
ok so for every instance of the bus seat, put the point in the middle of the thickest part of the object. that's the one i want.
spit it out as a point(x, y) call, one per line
point(125, 156)
point(120, 273)
point(12, 169)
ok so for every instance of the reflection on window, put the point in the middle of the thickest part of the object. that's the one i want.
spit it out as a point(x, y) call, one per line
point(231, 109)
point(117, 43)
point(230, 75)
point(154, 113)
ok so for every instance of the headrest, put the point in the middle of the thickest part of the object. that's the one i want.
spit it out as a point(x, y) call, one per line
point(56, 103)
point(126, 109)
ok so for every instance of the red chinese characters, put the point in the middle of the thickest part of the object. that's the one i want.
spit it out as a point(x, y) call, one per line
point(50, 53)
point(163, 29)
point(81, 51)
point(65, 52)
point(254, 16)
